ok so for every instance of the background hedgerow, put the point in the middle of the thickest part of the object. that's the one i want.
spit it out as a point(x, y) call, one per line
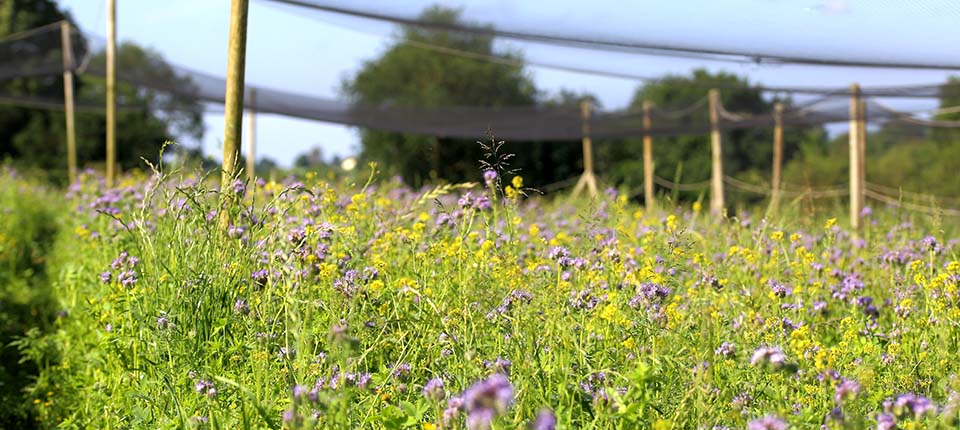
point(335, 305)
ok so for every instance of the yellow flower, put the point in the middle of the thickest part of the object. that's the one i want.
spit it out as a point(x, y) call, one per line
point(517, 182)
point(534, 230)
point(830, 223)
point(697, 206)
point(776, 236)
point(429, 426)
point(662, 424)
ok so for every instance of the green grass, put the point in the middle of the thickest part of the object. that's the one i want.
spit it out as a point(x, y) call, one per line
point(609, 316)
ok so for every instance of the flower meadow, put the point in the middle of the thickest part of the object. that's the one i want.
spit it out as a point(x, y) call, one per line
point(332, 304)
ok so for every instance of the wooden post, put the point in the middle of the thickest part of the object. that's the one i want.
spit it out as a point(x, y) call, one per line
point(862, 148)
point(233, 103)
point(648, 196)
point(716, 170)
point(587, 178)
point(252, 139)
point(66, 46)
point(856, 176)
point(111, 92)
point(777, 155)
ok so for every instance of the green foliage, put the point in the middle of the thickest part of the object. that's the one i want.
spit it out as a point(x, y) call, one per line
point(28, 224)
point(408, 75)
point(37, 138)
point(747, 152)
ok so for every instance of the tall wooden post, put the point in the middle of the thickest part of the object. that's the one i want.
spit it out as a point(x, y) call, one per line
point(862, 148)
point(716, 170)
point(856, 164)
point(252, 138)
point(587, 179)
point(111, 92)
point(233, 103)
point(777, 155)
point(66, 46)
point(648, 196)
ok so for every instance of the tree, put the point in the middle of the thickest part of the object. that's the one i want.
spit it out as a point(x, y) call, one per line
point(407, 75)
point(146, 118)
point(746, 152)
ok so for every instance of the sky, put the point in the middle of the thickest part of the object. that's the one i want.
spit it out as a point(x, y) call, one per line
point(312, 53)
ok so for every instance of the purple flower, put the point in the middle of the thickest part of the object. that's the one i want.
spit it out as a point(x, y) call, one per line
point(769, 422)
point(241, 307)
point(886, 421)
point(486, 399)
point(768, 356)
point(163, 322)
point(909, 405)
point(489, 176)
point(238, 187)
point(105, 277)
point(726, 349)
point(846, 390)
point(545, 420)
point(433, 390)
point(401, 371)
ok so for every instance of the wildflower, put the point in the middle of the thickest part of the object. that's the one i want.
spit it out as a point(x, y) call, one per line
point(105, 277)
point(546, 420)
point(726, 349)
point(768, 356)
point(769, 422)
point(489, 176)
point(401, 371)
point(779, 289)
point(848, 389)
point(433, 390)
point(238, 187)
point(886, 421)
point(241, 307)
point(909, 404)
point(454, 405)
point(486, 399)
point(163, 322)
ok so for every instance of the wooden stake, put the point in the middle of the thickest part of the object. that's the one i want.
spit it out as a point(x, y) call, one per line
point(66, 46)
point(777, 155)
point(856, 176)
point(716, 170)
point(233, 103)
point(111, 92)
point(252, 139)
point(648, 195)
point(587, 178)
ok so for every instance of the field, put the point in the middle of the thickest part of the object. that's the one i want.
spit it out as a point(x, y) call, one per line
point(329, 304)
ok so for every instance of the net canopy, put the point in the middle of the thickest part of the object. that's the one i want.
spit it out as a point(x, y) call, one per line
point(745, 31)
point(38, 53)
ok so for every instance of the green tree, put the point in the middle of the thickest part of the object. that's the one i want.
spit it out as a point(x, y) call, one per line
point(146, 119)
point(408, 75)
point(747, 153)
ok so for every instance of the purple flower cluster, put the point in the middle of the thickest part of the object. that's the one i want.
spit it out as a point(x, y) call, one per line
point(124, 268)
point(487, 399)
point(768, 356)
point(769, 422)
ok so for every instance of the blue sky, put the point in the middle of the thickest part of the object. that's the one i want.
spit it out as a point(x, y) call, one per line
point(311, 53)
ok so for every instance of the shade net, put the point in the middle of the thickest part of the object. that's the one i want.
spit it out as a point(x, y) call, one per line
point(38, 53)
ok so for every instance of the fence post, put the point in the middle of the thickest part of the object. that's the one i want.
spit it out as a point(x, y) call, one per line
point(649, 198)
point(252, 139)
point(587, 178)
point(66, 46)
point(233, 104)
point(777, 155)
point(111, 91)
point(716, 170)
point(856, 176)
point(856, 164)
